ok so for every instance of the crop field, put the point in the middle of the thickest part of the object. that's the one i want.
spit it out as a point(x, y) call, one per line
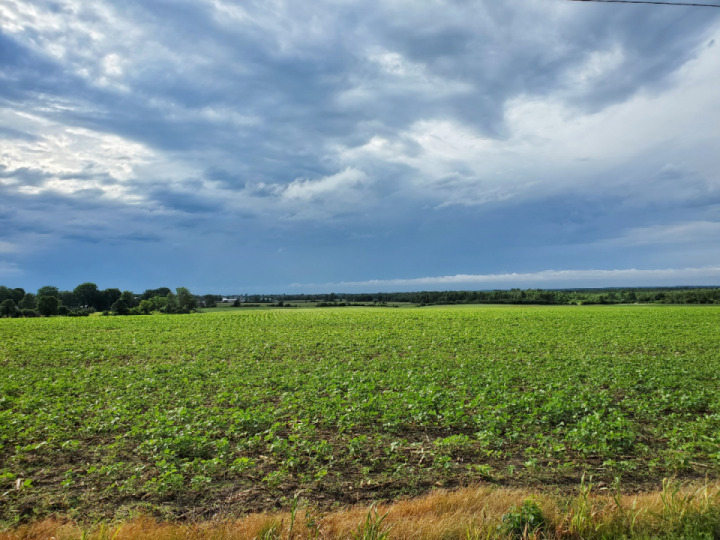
point(191, 416)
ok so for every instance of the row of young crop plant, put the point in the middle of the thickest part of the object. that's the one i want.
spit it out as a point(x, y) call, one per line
point(245, 407)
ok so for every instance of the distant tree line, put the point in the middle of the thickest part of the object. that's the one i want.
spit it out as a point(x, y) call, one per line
point(86, 298)
point(666, 295)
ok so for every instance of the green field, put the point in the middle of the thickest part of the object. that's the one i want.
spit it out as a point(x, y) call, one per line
point(235, 411)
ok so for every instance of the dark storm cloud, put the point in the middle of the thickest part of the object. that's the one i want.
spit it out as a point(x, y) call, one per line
point(43, 210)
point(225, 178)
point(513, 53)
point(32, 79)
point(404, 131)
point(184, 202)
point(25, 69)
point(655, 43)
point(26, 175)
point(495, 50)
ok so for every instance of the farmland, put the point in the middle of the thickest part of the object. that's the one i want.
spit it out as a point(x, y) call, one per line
point(189, 416)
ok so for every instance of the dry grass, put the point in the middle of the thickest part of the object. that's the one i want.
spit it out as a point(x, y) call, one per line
point(691, 510)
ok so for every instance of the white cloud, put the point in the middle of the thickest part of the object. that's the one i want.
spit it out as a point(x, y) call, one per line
point(97, 41)
point(81, 35)
point(433, 147)
point(228, 13)
point(333, 185)
point(8, 269)
point(551, 145)
point(547, 278)
point(7, 247)
point(112, 64)
point(224, 115)
point(303, 198)
point(453, 163)
point(413, 76)
point(70, 159)
point(292, 29)
point(397, 76)
point(597, 65)
point(690, 233)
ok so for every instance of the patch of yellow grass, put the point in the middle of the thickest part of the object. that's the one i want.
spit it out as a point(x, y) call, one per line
point(463, 514)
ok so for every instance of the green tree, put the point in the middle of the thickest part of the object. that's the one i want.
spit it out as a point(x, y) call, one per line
point(48, 305)
point(121, 306)
point(171, 304)
point(125, 303)
point(8, 308)
point(186, 301)
point(150, 293)
point(87, 294)
point(68, 299)
point(158, 303)
point(17, 295)
point(129, 297)
point(145, 307)
point(109, 297)
point(29, 301)
point(48, 290)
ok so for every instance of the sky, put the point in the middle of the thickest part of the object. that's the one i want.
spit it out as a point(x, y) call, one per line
point(349, 146)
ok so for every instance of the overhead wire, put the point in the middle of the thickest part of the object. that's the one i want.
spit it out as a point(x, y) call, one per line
point(649, 2)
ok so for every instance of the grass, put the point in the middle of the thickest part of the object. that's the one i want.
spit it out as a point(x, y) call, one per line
point(676, 511)
point(188, 418)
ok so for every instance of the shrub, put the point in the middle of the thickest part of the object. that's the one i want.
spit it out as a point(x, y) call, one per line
point(8, 308)
point(524, 521)
point(48, 305)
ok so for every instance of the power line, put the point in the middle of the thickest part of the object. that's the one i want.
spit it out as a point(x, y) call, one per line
point(648, 2)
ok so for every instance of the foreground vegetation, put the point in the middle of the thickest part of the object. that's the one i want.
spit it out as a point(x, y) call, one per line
point(675, 511)
point(224, 413)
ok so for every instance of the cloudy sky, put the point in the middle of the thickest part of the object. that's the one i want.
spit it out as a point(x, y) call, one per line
point(341, 145)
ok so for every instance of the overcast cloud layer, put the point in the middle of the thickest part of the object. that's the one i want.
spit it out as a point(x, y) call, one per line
point(296, 147)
